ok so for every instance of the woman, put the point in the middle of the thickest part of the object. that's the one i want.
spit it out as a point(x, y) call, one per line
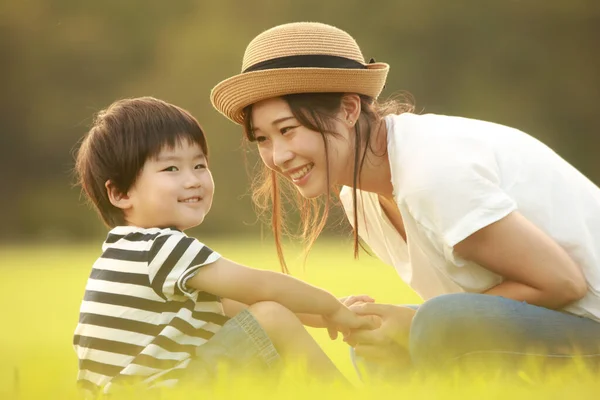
point(497, 233)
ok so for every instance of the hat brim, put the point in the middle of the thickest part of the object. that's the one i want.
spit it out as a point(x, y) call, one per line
point(232, 95)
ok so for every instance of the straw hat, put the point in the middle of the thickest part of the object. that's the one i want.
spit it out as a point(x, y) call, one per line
point(302, 57)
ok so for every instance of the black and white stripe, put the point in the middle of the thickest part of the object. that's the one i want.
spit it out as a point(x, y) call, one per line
point(138, 320)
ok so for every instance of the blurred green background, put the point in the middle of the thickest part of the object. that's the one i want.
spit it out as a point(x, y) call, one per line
point(531, 64)
point(534, 65)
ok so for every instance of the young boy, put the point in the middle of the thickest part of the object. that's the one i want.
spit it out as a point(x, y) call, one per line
point(157, 303)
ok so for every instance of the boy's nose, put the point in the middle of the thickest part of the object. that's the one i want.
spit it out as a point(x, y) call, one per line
point(192, 180)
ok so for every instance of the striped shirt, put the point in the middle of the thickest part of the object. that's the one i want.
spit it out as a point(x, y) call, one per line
point(138, 320)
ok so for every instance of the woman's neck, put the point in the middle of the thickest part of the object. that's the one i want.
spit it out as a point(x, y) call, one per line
point(375, 175)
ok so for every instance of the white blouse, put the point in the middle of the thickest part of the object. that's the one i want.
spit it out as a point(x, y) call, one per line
point(453, 176)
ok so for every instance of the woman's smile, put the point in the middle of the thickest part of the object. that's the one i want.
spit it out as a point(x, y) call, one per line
point(300, 175)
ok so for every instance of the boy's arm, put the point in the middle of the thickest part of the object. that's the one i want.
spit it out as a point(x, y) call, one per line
point(313, 320)
point(232, 308)
point(229, 280)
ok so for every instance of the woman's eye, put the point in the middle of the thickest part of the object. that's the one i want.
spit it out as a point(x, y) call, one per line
point(260, 139)
point(286, 129)
point(171, 169)
point(200, 166)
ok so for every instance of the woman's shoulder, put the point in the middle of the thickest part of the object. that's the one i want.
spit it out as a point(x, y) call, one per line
point(445, 126)
point(438, 144)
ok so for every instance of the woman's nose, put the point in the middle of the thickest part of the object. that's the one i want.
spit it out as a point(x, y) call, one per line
point(282, 153)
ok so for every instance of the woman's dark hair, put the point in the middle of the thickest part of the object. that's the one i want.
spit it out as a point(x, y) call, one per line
point(317, 112)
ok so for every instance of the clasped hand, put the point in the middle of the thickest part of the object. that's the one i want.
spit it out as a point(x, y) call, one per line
point(388, 340)
point(346, 321)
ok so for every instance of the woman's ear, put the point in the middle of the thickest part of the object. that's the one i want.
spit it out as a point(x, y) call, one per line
point(116, 198)
point(350, 108)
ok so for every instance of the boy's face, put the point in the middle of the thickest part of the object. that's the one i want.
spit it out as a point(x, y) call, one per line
point(173, 190)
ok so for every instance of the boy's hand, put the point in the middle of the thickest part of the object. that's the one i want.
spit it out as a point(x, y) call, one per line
point(344, 320)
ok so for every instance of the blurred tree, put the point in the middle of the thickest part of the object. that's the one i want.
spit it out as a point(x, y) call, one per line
point(531, 64)
point(67, 60)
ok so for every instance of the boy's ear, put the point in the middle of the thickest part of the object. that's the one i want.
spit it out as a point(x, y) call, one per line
point(117, 199)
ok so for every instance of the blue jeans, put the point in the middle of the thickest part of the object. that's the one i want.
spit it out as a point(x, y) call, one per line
point(466, 329)
point(241, 345)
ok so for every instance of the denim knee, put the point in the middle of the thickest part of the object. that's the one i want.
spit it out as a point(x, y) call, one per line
point(438, 326)
point(464, 328)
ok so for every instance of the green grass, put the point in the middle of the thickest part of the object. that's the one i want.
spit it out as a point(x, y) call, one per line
point(41, 288)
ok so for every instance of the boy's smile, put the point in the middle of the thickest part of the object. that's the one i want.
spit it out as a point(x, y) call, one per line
point(175, 189)
point(191, 200)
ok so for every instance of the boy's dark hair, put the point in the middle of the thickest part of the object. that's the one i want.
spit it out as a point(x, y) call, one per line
point(122, 138)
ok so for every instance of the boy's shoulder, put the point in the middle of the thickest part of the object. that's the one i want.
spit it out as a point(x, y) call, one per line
point(136, 234)
point(130, 243)
point(132, 238)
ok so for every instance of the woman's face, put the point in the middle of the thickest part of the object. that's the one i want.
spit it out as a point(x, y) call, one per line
point(297, 152)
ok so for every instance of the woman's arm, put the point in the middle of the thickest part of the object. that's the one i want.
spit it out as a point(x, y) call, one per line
point(536, 269)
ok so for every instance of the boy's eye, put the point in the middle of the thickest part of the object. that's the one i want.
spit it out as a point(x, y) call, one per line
point(260, 139)
point(172, 168)
point(200, 166)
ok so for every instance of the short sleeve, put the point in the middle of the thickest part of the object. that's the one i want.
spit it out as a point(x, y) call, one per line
point(457, 199)
point(173, 259)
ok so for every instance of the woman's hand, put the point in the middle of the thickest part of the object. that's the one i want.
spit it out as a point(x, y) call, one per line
point(319, 321)
point(388, 342)
point(349, 301)
point(345, 320)
point(357, 299)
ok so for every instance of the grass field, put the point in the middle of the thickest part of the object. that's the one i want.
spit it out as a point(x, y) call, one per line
point(41, 288)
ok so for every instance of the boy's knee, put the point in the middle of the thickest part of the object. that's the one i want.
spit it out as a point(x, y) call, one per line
point(272, 315)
